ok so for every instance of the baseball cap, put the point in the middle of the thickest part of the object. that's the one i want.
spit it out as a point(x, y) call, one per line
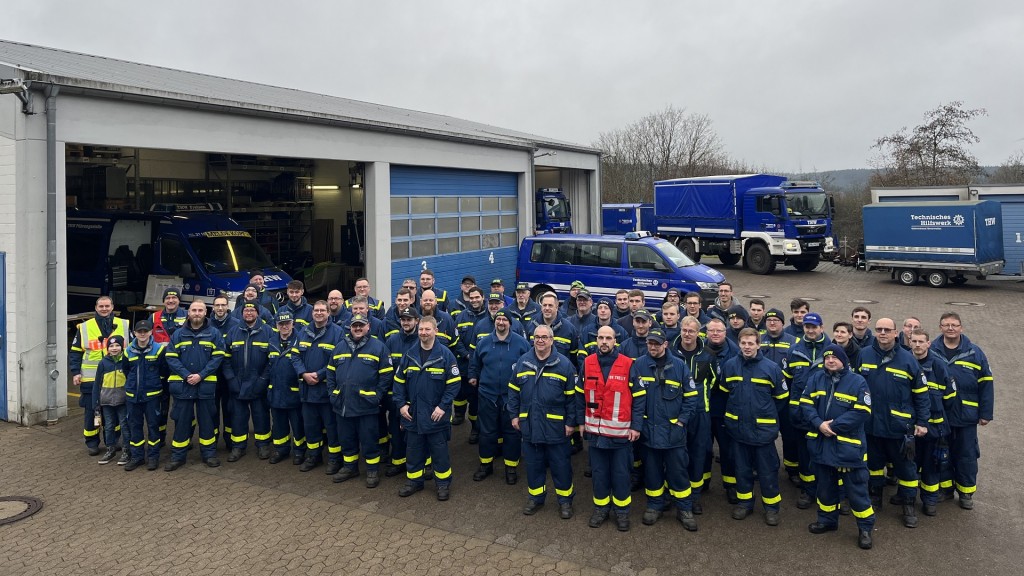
point(522, 286)
point(284, 316)
point(495, 296)
point(358, 319)
point(643, 314)
point(656, 335)
point(577, 284)
point(583, 294)
point(497, 282)
point(467, 278)
point(143, 325)
point(775, 313)
point(814, 319)
point(408, 313)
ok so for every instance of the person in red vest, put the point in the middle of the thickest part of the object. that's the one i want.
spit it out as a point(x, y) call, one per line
point(165, 323)
point(611, 423)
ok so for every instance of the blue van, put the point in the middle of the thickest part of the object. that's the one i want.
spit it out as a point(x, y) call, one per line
point(115, 252)
point(607, 264)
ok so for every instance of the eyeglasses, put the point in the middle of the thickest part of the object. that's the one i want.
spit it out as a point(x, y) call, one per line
point(884, 330)
point(948, 326)
point(542, 337)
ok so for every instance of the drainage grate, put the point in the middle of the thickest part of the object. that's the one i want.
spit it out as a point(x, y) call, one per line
point(14, 508)
point(863, 301)
point(761, 296)
point(977, 304)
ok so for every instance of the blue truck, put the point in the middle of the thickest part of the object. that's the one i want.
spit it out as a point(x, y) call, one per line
point(553, 212)
point(114, 252)
point(617, 219)
point(761, 219)
point(940, 242)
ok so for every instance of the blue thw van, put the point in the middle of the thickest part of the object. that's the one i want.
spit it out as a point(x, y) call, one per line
point(607, 264)
point(114, 253)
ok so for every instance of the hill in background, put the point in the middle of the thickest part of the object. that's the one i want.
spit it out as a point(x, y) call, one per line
point(854, 179)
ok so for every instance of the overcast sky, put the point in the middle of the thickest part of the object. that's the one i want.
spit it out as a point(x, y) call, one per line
point(797, 85)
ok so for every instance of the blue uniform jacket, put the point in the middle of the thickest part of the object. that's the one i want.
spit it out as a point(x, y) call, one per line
point(485, 327)
point(146, 371)
point(194, 351)
point(757, 393)
point(844, 399)
point(359, 376)
point(108, 365)
point(542, 395)
point(312, 352)
point(424, 386)
point(265, 315)
point(283, 389)
point(718, 397)
point(492, 363)
point(588, 339)
point(778, 350)
point(524, 315)
point(566, 340)
point(672, 399)
point(899, 391)
point(302, 313)
point(701, 364)
point(633, 346)
point(465, 326)
point(804, 358)
point(938, 389)
point(247, 366)
point(971, 379)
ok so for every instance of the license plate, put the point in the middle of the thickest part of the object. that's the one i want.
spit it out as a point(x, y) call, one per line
point(813, 244)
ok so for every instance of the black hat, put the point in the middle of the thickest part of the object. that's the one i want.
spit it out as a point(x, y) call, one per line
point(775, 313)
point(253, 286)
point(583, 294)
point(469, 278)
point(252, 305)
point(408, 313)
point(502, 314)
point(143, 325)
point(497, 282)
point(643, 314)
point(605, 302)
point(495, 296)
point(837, 351)
point(116, 339)
point(171, 292)
point(736, 310)
point(284, 316)
point(657, 335)
point(359, 319)
point(522, 286)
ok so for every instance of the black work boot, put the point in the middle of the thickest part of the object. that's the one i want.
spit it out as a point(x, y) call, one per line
point(686, 518)
point(909, 516)
point(597, 518)
point(482, 472)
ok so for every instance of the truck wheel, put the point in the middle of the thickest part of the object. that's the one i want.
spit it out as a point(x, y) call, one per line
point(805, 265)
point(685, 246)
point(906, 276)
point(937, 278)
point(728, 258)
point(539, 290)
point(759, 260)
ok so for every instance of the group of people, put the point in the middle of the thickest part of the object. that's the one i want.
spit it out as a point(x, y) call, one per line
point(649, 394)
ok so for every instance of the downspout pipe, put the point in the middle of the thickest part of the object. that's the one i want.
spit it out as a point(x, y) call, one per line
point(51, 253)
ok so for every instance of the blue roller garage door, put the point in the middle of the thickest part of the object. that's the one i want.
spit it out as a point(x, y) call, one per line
point(455, 222)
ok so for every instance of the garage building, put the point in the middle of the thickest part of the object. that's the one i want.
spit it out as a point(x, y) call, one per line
point(382, 192)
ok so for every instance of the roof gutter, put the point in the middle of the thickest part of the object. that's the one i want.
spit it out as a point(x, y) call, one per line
point(50, 91)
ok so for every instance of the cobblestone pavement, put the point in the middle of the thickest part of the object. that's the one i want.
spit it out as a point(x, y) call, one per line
point(252, 518)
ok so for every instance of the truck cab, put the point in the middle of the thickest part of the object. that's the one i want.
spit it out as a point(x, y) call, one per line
point(114, 253)
point(553, 212)
point(797, 216)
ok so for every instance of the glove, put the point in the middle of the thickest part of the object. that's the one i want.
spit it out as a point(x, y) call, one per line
point(907, 448)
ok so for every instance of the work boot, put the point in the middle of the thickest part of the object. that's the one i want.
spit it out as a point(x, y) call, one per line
point(929, 509)
point(332, 467)
point(875, 494)
point(804, 501)
point(298, 458)
point(152, 464)
point(372, 478)
point(565, 510)
point(909, 516)
point(794, 479)
point(125, 457)
point(173, 465)
point(212, 462)
point(945, 494)
point(236, 455)
point(686, 518)
point(771, 517)
point(741, 512)
point(696, 506)
point(636, 482)
point(897, 500)
point(730, 495)
point(344, 474)
point(392, 470)
point(511, 475)
point(474, 436)
point(820, 528)
point(94, 450)
point(443, 493)
point(966, 501)
point(458, 417)
point(622, 522)
point(263, 452)
point(864, 540)
point(276, 457)
point(409, 489)
point(108, 456)
point(132, 465)
point(651, 516)
point(532, 506)
point(482, 472)
point(308, 464)
point(597, 518)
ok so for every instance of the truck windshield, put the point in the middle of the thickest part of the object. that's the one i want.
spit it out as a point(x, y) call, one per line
point(668, 250)
point(234, 253)
point(556, 208)
point(807, 204)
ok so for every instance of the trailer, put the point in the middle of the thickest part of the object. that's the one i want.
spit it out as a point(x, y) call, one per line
point(617, 219)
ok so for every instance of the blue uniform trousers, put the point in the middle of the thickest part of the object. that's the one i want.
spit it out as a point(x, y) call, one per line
point(359, 434)
point(241, 410)
point(726, 458)
point(226, 406)
point(698, 442)
point(287, 430)
point(764, 459)
point(832, 483)
point(666, 468)
point(144, 413)
point(496, 428)
point(610, 468)
point(90, 430)
point(397, 434)
point(434, 444)
point(318, 419)
point(186, 413)
point(964, 452)
point(542, 457)
point(793, 440)
point(882, 451)
point(115, 425)
point(165, 413)
point(808, 480)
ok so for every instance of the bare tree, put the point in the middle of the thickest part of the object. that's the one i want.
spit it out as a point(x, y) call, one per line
point(935, 153)
point(1011, 171)
point(668, 144)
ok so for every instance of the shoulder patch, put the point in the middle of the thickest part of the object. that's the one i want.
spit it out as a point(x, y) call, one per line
point(785, 386)
point(785, 362)
point(455, 370)
point(867, 398)
point(692, 383)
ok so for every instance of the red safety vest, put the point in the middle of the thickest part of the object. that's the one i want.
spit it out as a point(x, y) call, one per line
point(609, 404)
point(159, 332)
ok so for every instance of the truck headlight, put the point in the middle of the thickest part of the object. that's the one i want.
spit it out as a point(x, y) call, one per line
point(829, 243)
point(707, 285)
point(791, 246)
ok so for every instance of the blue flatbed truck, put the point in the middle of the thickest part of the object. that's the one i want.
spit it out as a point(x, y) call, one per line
point(553, 212)
point(762, 219)
point(939, 242)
